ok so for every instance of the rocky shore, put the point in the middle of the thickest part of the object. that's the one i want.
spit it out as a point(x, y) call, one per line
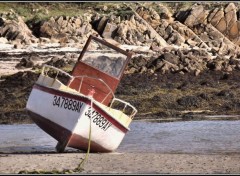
point(186, 62)
point(164, 97)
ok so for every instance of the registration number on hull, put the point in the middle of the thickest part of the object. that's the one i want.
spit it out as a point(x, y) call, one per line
point(74, 105)
point(98, 119)
point(67, 103)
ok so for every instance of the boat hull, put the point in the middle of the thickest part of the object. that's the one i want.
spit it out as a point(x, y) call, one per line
point(68, 117)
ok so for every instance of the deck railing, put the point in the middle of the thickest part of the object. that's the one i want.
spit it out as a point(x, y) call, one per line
point(113, 101)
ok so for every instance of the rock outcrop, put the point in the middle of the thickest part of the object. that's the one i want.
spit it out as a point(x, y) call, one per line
point(64, 29)
point(14, 29)
point(190, 40)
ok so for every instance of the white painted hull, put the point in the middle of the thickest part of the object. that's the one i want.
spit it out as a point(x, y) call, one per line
point(66, 117)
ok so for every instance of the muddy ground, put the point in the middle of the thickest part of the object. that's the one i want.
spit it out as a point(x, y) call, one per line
point(163, 97)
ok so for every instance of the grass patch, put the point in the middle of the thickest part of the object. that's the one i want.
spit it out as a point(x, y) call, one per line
point(42, 11)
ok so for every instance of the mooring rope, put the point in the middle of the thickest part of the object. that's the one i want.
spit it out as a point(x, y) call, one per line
point(81, 164)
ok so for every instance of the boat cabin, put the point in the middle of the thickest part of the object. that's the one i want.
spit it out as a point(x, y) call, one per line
point(99, 69)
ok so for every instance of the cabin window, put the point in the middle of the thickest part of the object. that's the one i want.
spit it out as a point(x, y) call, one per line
point(106, 59)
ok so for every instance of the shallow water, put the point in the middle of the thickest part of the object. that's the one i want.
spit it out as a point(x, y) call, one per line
point(204, 137)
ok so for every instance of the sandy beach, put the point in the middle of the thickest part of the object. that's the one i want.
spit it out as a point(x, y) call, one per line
point(124, 163)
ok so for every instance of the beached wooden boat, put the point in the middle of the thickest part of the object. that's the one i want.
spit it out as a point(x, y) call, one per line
point(84, 108)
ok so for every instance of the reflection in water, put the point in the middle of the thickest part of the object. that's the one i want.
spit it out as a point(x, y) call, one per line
point(172, 137)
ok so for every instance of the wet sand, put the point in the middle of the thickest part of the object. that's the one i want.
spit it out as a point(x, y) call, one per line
point(203, 147)
point(124, 163)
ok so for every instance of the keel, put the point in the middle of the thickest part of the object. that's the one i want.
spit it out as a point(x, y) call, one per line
point(60, 147)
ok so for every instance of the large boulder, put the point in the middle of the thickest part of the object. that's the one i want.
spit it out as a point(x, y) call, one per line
point(197, 16)
point(64, 27)
point(225, 20)
point(16, 29)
